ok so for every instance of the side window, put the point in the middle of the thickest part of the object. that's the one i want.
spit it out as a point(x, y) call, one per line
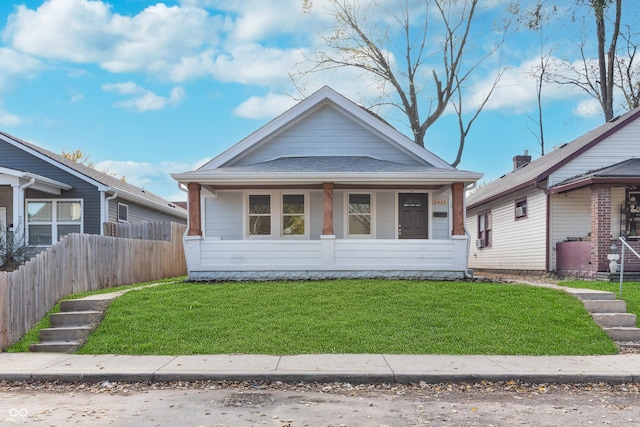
point(123, 212)
point(259, 215)
point(521, 210)
point(484, 230)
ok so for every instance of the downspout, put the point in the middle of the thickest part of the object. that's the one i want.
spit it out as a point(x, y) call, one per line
point(21, 220)
point(182, 188)
point(547, 230)
point(105, 211)
point(467, 276)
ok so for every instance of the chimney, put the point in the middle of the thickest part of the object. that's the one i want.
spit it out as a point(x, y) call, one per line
point(521, 160)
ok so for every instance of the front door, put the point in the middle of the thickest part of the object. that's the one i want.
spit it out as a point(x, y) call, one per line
point(413, 216)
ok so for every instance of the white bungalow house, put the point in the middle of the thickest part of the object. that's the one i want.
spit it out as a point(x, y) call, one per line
point(562, 212)
point(326, 190)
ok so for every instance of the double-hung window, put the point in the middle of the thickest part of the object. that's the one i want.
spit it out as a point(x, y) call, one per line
point(485, 234)
point(49, 220)
point(521, 208)
point(359, 214)
point(259, 215)
point(277, 214)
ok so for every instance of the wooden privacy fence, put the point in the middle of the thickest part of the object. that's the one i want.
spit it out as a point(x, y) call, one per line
point(80, 263)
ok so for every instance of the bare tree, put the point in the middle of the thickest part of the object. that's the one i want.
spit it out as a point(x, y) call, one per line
point(536, 19)
point(399, 62)
point(597, 79)
point(628, 69)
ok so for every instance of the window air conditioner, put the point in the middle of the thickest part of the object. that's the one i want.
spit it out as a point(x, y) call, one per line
point(479, 243)
point(520, 211)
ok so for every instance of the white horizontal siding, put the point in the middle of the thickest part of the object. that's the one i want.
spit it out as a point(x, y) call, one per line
point(516, 244)
point(331, 254)
point(570, 217)
point(386, 215)
point(326, 132)
point(618, 147)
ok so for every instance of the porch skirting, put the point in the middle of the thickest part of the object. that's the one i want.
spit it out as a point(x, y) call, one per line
point(224, 276)
point(329, 258)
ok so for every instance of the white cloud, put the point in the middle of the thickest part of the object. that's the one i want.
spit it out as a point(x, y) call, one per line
point(588, 108)
point(145, 100)
point(7, 119)
point(268, 106)
point(16, 65)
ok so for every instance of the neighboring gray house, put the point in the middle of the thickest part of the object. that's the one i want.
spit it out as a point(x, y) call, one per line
point(326, 190)
point(46, 196)
point(563, 211)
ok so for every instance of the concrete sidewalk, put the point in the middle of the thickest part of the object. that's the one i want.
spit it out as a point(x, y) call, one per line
point(353, 368)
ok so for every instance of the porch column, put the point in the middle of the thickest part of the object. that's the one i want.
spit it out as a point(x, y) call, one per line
point(457, 190)
point(600, 226)
point(328, 209)
point(195, 227)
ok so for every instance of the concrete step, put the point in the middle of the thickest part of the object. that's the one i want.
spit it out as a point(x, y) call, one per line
point(623, 334)
point(590, 294)
point(68, 333)
point(55, 346)
point(605, 306)
point(85, 304)
point(615, 319)
point(76, 318)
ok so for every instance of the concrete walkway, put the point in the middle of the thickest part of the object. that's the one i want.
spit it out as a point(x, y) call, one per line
point(353, 368)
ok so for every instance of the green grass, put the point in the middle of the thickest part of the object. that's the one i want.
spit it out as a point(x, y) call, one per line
point(348, 316)
point(630, 292)
point(33, 336)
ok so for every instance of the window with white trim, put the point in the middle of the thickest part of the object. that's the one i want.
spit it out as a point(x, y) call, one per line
point(485, 233)
point(259, 215)
point(50, 220)
point(277, 214)
point(123, 212)
point(521, 208)
point(359, 214)
point(293, 219)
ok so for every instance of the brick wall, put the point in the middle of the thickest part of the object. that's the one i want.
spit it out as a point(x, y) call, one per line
point(600, 226)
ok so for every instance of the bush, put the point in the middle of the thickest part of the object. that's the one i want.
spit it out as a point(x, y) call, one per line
point(14, 251)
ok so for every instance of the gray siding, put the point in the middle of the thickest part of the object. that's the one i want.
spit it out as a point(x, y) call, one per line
point(440, 225)
point(140, 213)
point(224, 215)
point(327, 132)
point(316, 214)
point(386, 215)
point(15, 158)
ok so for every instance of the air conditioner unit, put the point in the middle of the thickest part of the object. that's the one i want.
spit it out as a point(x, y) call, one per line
point(521, 211)
point(480, 243)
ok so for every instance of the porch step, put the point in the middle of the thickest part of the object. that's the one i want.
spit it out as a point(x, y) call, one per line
point(71, 327)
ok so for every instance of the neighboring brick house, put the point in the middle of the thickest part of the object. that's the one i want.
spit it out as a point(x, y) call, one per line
point(563, 211)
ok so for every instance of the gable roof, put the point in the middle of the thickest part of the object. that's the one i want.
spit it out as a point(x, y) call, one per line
point(103, 181)
point(328, 96)
point(356, 168)
point(533, 173)
point(627, 172)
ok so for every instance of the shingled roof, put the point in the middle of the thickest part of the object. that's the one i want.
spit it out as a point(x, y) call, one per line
point(539, 170)
point(111, 183)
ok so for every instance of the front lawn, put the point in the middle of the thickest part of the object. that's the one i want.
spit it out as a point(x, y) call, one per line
point(348, 316)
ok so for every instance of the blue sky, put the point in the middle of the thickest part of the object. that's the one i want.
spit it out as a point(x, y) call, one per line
point(149, 88)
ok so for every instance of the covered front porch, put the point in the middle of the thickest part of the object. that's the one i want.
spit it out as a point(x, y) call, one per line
point(613, 195)
point(327, 248)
